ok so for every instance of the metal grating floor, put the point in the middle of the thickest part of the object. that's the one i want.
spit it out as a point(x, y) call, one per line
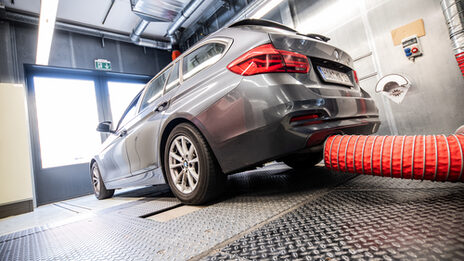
point(272, 213)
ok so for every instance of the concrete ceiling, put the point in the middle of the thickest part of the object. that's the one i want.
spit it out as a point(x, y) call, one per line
point(92, 12)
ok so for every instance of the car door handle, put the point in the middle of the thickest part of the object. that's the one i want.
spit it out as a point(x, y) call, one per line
point(123, 133)
point(162, 106)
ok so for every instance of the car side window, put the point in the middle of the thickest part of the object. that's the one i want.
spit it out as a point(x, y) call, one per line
point(154, 89)
point(130, 112)
point(173, 80)
point(202, 58)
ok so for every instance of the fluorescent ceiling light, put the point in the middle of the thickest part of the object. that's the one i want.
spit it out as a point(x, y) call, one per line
point(266, 8)
point(48, 9)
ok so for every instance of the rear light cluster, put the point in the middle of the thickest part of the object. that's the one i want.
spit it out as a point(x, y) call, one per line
point(267, 59)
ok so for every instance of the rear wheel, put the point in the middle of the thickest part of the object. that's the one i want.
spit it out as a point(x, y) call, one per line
point(303, 161)
point(191, 169)
point(98, 186)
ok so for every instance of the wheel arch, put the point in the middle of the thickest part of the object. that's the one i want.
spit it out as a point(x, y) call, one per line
point(167, 129)
point(92, 161)
point(97, 160)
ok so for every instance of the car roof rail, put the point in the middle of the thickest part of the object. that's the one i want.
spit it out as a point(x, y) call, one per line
point(268, 23)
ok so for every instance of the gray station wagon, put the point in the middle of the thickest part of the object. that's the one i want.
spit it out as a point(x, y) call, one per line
point(251, 93)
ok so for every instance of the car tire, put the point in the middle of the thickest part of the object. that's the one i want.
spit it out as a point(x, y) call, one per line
point(193, 173)
point(99, 188)
point(304, 161)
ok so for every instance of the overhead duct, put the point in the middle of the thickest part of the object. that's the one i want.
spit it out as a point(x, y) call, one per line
point(29, 19)
point(181, 18)
point(149, 11)
point(454, 14)
point(159, 10)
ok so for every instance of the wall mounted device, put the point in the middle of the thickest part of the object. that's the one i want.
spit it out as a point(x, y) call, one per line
point(411, 47)
point(393, 86)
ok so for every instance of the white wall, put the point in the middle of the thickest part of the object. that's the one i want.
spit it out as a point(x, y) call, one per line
point(362, 28)
point(15, 167)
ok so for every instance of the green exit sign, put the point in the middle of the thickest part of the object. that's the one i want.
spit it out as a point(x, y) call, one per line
point(102, 64)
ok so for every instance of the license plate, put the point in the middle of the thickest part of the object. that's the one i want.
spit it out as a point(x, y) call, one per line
point(333, 76)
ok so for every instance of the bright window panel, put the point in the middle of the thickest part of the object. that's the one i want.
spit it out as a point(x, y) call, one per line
point(121, 94)
point(67, 117)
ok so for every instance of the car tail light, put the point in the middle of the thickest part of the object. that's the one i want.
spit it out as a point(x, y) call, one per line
point(355, 76)
point(295, 62)
point(267, 59)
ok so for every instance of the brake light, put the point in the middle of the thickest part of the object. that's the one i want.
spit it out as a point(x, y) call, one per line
point(355, 76)
point(267, 59)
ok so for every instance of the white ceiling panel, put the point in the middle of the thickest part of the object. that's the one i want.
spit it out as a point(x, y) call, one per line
point(91, 12)
point(31, 6)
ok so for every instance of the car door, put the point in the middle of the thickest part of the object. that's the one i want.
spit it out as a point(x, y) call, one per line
point(114, 155)
point(142, 144)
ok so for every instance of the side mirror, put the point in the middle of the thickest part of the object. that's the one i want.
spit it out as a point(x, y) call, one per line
point(105, 127)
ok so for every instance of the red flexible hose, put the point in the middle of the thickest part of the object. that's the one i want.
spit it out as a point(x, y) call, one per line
point(460, 59)
point(437, 158)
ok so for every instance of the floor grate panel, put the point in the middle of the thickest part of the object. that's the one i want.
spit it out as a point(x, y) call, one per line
point(272, 213)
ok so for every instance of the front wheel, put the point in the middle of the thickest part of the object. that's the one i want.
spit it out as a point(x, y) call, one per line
point(191, 169)
point(98, 186)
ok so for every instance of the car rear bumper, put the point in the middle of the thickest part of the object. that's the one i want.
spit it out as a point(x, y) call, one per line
point(251, 124)
point(277, 141)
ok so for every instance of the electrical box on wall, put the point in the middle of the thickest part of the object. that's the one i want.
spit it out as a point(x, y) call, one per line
point(411, 47)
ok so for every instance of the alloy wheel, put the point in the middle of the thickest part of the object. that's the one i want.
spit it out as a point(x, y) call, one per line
point(96, 180)
point(184, 164)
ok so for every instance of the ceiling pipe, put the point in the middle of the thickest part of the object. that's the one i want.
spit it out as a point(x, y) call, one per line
point(189, 9)
point(138, 30)
point(29, 19)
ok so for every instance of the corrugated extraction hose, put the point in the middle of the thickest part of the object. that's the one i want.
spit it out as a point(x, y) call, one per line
point(439, 158)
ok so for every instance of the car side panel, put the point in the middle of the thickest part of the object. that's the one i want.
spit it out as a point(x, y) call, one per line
point(142, 146)
point(208, 86)
point(152, 177)
point(114, 163)
point(196, 95)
